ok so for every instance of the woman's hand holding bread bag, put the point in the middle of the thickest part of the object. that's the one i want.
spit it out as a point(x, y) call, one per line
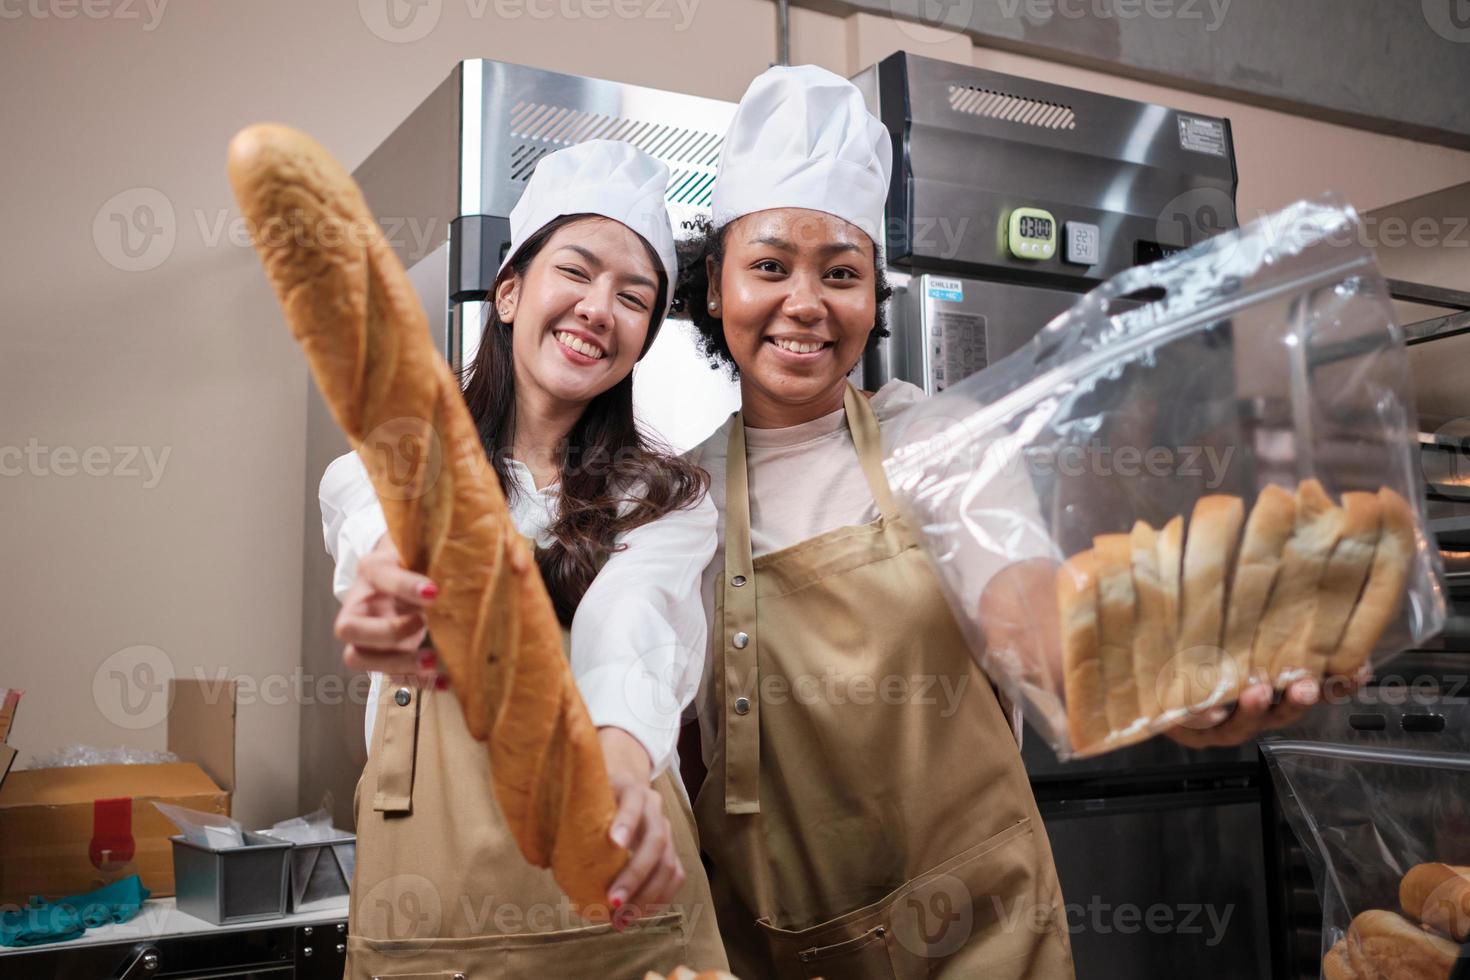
point(351, 306)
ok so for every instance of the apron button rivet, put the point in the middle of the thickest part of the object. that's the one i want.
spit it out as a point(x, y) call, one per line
point(738, 581)
point(880, 932)
point(459, 976)
point(402, 697)
point(742, 706)
point(740, 640)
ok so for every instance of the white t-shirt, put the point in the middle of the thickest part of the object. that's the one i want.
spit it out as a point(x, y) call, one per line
point(806, 480)
point(639, 634)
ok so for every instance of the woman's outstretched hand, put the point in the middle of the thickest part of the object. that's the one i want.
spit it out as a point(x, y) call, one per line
point(654, 873)
point(382, 622)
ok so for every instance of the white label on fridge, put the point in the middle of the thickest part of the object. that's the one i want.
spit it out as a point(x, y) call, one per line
point(1201, 135)
point(949, 290)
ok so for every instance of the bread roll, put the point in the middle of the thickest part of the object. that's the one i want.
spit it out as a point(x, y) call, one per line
point(1279, 655)
point(1385, 944)
point(1266, 533)
point(351, 306)
point(1438, 895)
point(1384, 592)
point(1082, 679)
point(1153, 640)
point(1335, 965)
point(1209, 554)
point(1342, 578)
point(1115, 603)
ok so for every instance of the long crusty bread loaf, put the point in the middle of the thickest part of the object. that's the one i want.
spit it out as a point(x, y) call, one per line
point(351, 306)
point(1266, 533)
point(1438, 895)
point(1280, 655)
point(1153, 640)
point(1381, 944)
point(1384, 592)
point(1209, 554)
point(1342, 578)
point(1082, 678)
point(1115, 603)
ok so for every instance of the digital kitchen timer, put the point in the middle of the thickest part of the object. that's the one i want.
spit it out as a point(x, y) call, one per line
point(1033, 234)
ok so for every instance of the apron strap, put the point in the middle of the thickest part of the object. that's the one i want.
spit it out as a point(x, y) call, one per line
point(740, 641)
point(741, 720)
point(863, 425)
point(395, 739)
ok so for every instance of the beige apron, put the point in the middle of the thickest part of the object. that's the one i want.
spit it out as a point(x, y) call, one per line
point(441, 890)
point(866, 810)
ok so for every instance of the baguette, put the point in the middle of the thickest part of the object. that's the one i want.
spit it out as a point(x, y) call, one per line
point(351, 306)
point(1384, 593)
point(1342, 578)
point(1279, 654)
point(1385, 944)
point(1082, 681)
point(1266, 533)
point(1153, 640)
point(1438, 895)
point(1214, 533)
point(1115, 604)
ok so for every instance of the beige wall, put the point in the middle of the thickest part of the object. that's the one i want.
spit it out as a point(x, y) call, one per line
point(109, 575)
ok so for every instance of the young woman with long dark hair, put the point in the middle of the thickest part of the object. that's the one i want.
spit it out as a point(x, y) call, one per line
point(621, 530)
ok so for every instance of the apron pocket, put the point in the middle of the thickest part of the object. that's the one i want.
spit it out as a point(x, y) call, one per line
point(989, 901)
point(658, 942)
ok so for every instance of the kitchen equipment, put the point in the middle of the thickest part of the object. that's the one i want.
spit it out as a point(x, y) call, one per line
point(232, 884)
point(1011, 196)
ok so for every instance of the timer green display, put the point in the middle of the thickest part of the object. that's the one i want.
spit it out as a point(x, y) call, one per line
point(1033, 234)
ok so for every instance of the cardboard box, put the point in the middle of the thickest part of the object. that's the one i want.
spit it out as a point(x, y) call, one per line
point(72, 829)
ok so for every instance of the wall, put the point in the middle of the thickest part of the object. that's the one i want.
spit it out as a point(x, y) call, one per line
point(176, 353)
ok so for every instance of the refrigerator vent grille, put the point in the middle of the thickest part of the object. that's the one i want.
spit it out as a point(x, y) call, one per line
point(1011, 108)
point(538, 128)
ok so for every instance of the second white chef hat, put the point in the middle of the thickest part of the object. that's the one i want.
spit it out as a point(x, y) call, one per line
point(605, 177)
point(802, 137)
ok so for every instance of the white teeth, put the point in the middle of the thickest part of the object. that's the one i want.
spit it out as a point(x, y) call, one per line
point(797, 346)
point(579, 345)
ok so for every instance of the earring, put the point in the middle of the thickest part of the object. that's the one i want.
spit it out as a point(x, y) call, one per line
point(713, 306)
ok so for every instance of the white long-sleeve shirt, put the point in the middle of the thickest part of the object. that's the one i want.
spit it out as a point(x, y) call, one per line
point(639, 634)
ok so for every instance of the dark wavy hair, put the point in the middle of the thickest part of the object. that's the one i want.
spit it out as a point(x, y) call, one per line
point(692, 293)
point(614, 476)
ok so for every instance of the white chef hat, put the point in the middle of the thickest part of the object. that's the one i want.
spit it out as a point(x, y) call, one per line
point(802, 137)
point(605, 177)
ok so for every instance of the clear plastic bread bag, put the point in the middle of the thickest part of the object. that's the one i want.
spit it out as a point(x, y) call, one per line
point(1382, 812)
point(1143, 510)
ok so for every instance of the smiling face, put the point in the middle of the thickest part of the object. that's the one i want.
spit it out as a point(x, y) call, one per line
point(795, 294)
point(581, 312)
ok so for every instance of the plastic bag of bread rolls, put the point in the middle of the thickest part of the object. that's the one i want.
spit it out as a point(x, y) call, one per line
point(1382, 811)
point(1203, 476)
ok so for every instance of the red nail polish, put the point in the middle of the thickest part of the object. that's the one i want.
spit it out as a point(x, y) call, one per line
point(429, 590)
point(616, 904)
point(427, 659)
point(441, 683)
